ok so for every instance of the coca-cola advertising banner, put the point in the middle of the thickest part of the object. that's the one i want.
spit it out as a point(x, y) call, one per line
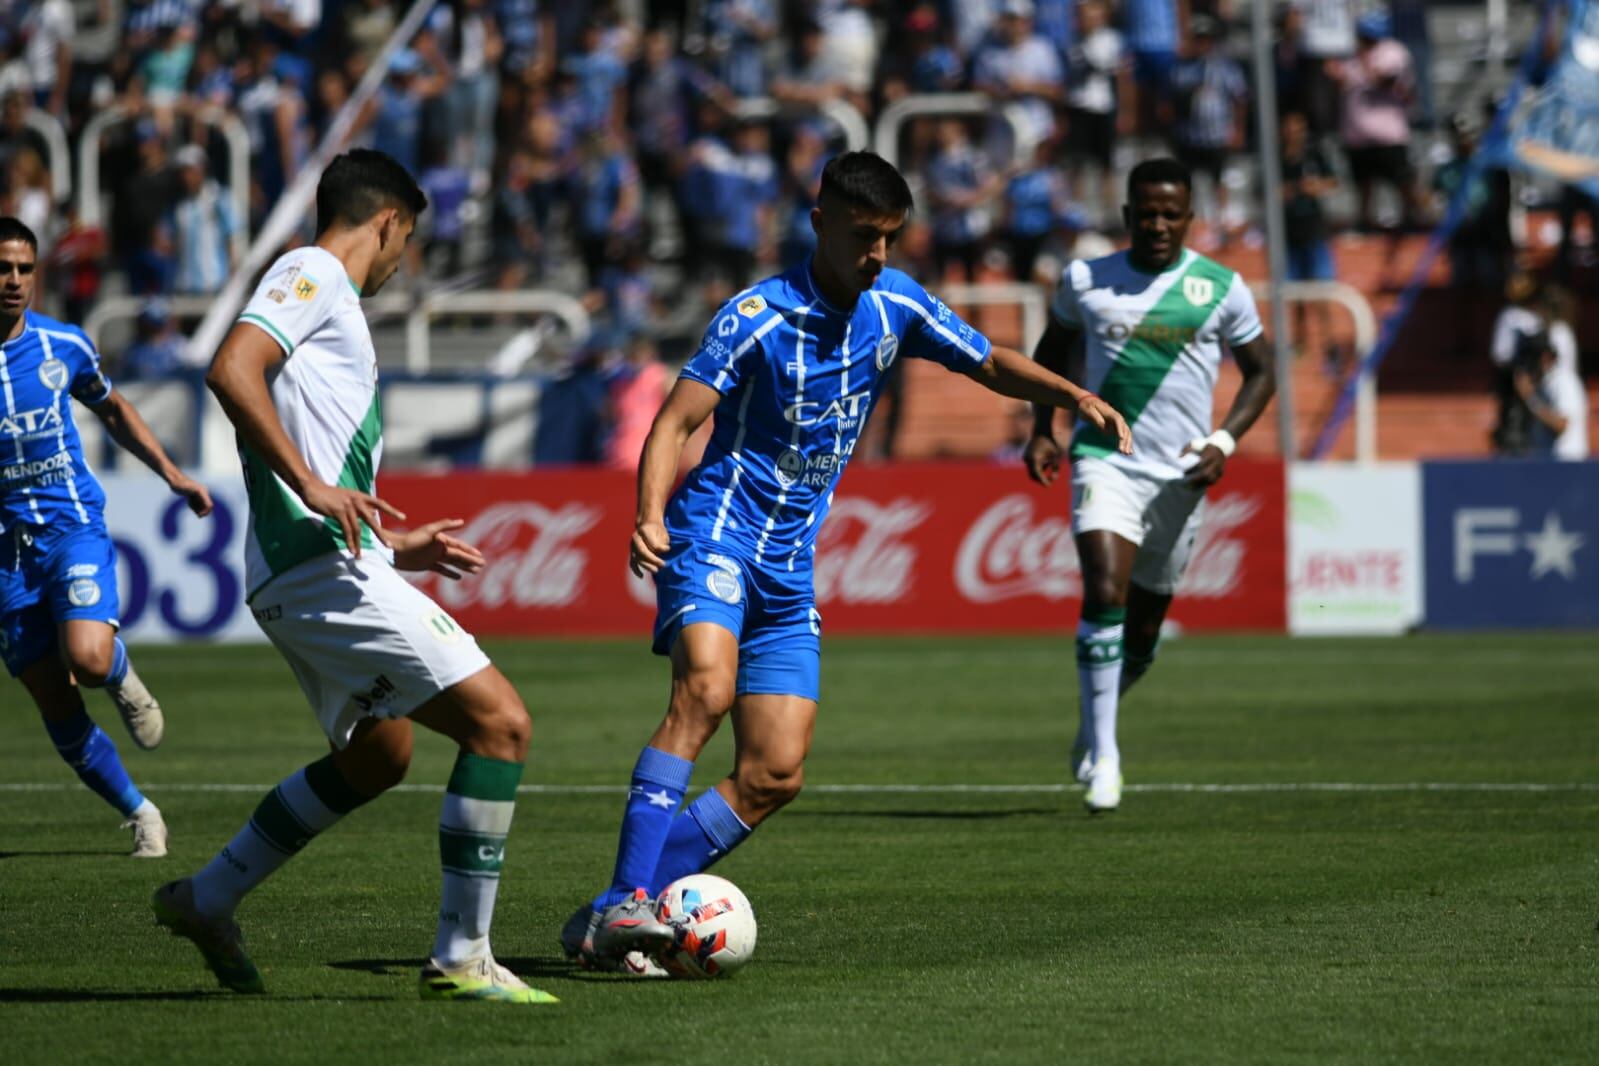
point(924, 547)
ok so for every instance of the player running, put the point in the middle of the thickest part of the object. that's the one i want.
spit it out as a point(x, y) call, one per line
point(1144, 328)
point(791, 369)
point(297, 376)
point(58, 577)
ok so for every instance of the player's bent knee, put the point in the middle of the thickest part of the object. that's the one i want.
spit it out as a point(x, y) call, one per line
point(768, 787)
point(702, 694)
point(503, 732)
point(1101, 592)
point(89, 661)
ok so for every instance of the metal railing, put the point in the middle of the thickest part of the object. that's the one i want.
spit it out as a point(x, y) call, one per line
point(90, 206)
point(885, 134)
point(1365, 321)
point(418, 314)
point(49, 127)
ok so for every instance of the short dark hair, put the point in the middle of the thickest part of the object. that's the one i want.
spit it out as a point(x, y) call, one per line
point(14, 229)
point(866, 180)
point(1161, 171)
point(359, 184)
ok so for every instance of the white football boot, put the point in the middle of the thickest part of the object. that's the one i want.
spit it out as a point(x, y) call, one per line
point(140, 712)
point(1104, 787)
point(149, 832)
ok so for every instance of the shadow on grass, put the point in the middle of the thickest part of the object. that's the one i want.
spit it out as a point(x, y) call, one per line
point(213, 995)
point(957, 816)
point(526, 968)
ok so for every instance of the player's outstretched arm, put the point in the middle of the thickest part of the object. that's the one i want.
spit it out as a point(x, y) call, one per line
point(1060, 351)
point(238, 379)
point(1010, 373)
point(687, 407)
point(125, 426)
point(1260, 385)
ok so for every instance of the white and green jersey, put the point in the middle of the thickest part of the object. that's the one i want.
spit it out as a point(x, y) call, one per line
point(1153, 350)
point(326, 396)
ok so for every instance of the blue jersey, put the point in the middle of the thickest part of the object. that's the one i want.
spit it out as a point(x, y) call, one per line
point(43, 478)
point(798, 378)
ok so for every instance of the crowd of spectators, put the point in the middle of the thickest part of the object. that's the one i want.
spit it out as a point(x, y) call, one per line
point(612, 130)
point(612, 147)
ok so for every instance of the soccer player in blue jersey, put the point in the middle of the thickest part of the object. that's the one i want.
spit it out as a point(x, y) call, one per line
point(791, 369)
point(58, 579)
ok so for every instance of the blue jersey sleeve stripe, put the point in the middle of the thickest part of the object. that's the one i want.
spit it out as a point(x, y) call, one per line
point(749, 342)
point(937, 327)
point(94, 361)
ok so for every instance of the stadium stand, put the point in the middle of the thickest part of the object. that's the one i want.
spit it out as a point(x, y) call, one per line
point(643, 160)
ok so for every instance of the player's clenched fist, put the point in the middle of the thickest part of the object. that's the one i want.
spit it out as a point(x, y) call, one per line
point(647, 553)
point(1103, 416)
point(1043, 459)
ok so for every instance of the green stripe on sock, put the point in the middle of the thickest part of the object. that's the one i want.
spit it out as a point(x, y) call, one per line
point(479, 777)
point(1105, 616)
point(331, 787)
point(278, 826)
point(1099, 650)
point(473, 854)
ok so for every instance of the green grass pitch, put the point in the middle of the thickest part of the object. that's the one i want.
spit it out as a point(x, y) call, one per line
point(1390, 924)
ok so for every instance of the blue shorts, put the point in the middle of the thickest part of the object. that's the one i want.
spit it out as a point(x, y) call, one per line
point(48, 576)
point(771, 612)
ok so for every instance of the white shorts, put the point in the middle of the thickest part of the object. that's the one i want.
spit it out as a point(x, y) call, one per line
point(363, 642)
point(1160, 516)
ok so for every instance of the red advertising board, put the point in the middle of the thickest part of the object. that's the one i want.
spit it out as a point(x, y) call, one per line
point(914, 547)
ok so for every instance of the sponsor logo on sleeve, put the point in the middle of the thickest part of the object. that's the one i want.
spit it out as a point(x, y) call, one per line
point(305, 289)
point(277, 296)
point(751, 306)
point(726, 326)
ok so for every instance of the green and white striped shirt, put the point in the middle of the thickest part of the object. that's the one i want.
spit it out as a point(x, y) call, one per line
point(1153, 344)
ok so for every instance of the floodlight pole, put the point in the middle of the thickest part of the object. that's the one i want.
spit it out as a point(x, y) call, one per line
point(1276, 243)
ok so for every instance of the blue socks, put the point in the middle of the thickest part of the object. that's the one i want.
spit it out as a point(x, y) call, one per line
point(90, 753)
point(659, 781)
point(708, 830)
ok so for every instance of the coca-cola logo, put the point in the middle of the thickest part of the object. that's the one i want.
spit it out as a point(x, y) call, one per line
point(861, 556)
point(1010, 552)
point(1220, 551)
point(532, 557)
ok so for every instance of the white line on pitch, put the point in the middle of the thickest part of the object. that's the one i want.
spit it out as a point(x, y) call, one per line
point(950, 789)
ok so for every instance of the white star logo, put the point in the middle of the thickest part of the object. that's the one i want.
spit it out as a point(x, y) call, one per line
point(1553, 549)
point(659, 799)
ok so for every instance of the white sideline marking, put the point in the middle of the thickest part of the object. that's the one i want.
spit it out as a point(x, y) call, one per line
point(952, 789)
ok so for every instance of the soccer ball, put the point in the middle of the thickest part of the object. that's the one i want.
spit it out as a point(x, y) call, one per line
point(714, 926)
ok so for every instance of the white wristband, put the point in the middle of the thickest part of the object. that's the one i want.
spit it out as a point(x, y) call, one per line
point(1222, 441)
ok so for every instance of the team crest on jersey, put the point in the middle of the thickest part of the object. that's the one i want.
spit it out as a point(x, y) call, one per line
point(790, 465)
point(887, 349)
point(53, 374)
point(83, 593)
point(1199, 291)
point(305, 289)
point(726, 326)
point(751, 306)
point(723, 581)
